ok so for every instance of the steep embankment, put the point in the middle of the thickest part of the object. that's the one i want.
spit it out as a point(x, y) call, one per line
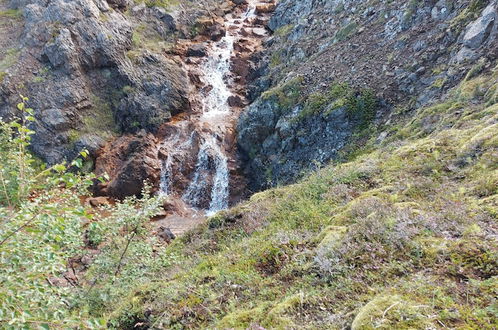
point(337, 73)
point(403, 236)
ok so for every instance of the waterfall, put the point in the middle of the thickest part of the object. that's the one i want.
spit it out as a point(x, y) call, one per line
point(211, 162)
point(209, 186)
point(220, 192)
point(215, 70)
point(165, 183)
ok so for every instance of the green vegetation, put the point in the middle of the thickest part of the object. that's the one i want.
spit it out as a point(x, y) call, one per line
point(11, 13)
point(45, 232)
point(145, 37)
point(346, 32)
point(99, 119)
point(284, 31)
point(469, 13)
point(159, 3)
point(286, 95)
point(361, 105)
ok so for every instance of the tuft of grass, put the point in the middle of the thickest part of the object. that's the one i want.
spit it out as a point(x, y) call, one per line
point(284, 31)
point(346, 32)
point(11, 13)
point(286, 95)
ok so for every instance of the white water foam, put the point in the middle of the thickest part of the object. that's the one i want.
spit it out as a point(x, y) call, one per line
point(212, 163)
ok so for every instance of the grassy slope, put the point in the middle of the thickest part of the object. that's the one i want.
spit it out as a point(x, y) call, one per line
point(403, 236)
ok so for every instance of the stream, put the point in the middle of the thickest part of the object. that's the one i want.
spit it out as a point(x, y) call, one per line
point(199, 155)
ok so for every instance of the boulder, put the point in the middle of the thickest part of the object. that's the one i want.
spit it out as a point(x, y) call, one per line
point(129, 161)
point(479, 31)
point(197, 50)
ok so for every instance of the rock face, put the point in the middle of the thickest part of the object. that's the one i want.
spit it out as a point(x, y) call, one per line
point(406, 53)
point(305, 144)
point(129, 161)
point(92, 72)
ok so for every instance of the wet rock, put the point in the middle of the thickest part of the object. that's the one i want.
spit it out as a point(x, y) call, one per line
point(235, 101)
point(265, 8)
point(197, 50)
point(259, 32)
point(240, 2)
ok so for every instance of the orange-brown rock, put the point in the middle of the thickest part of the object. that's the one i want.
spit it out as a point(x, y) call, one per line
point(129, 161)
point(265, 8)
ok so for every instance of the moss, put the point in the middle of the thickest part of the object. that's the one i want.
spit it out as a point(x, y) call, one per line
point(283, 31)
point(473, 259)
point(11, 13)
point(73, 136)
point(276, 59)
point(145, 37)
point(241, 318)
point(159, 3)
point(2, 76)
point(439, 83)
point(331, 237)
point(346, 32)
point(287, 95)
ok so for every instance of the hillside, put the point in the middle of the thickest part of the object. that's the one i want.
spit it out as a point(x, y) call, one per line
point(248, 164)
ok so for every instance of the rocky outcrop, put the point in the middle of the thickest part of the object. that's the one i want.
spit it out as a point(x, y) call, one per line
point(128, 161)
point(408, 53)
point(92, 72)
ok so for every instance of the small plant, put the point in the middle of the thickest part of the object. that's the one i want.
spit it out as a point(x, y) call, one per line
point(16, 173)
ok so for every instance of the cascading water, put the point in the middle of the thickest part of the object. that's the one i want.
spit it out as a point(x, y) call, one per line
point(215, 70)
point(211, 163)
point(165, 184)
point(208, 183)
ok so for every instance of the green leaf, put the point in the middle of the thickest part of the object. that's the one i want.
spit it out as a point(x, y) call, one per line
point(84, 153)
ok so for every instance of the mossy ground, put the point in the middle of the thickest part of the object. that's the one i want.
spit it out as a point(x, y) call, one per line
point(403, 236)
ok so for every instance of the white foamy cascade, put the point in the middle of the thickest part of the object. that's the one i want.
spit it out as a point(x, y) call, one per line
point(209, 185)
point(216, 70)
point(165, 183)
point(211, 162)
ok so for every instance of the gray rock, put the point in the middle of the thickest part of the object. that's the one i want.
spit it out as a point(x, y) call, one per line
point(61, 51)
point(441, 10)
point(481, 30)
point(464, 55)
point(79, 48)
point(55, 119)
point(90, 142)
